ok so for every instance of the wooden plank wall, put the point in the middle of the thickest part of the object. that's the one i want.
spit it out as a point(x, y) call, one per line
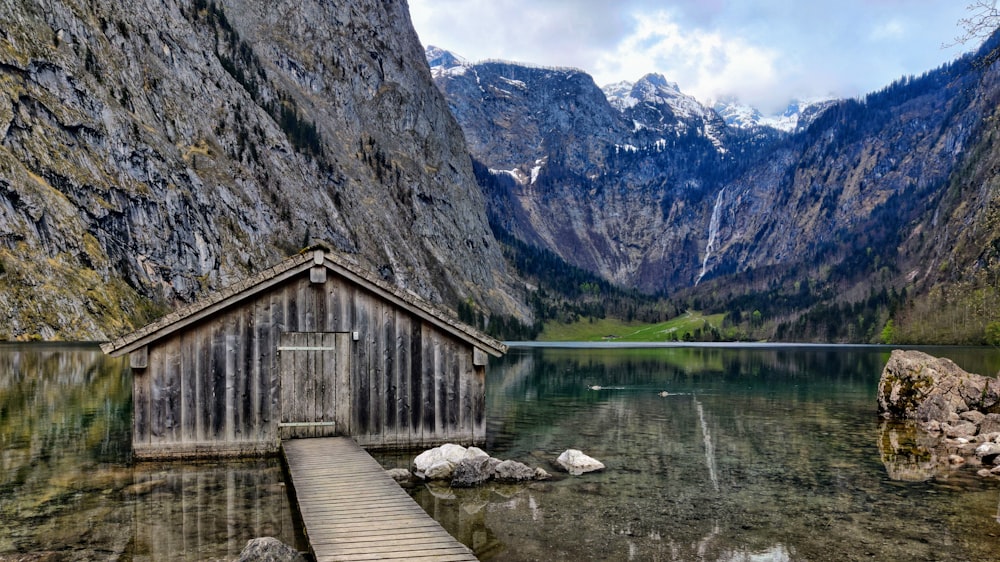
point(314, 378)
point(214, 388)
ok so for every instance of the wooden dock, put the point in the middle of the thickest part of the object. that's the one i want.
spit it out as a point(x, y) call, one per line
point(352, 510)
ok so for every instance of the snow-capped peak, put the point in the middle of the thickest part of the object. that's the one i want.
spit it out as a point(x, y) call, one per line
point(798, 114)
point(737, 114)
point(653, 89)
point(443, 61)
point(659, 82)
point(617, 92)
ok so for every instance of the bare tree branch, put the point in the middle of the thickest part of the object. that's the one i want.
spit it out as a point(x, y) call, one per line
point(982, 22)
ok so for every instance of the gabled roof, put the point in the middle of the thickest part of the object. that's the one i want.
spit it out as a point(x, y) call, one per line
point(291, 267)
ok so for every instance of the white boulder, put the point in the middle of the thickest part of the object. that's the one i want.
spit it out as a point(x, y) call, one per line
point(577, 463)
point(449, 453)
point(441, 470)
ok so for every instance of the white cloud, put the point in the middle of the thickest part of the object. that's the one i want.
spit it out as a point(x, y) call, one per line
point(706, 64)
point(551, 32)
point(762, 52)
point(889, 31)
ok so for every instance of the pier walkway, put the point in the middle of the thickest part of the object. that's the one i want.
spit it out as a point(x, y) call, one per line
point(352, 510)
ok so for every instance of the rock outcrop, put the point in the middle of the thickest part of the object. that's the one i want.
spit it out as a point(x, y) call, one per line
point(576, 463)
point(153, 150)
point(955, 414)
point(920, 387)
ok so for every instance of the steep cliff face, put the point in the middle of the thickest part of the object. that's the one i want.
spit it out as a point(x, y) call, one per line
point(951, 252)
point(520, 118)
point(152, 150)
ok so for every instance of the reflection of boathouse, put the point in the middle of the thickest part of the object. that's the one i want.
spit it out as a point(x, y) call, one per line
point(313, 346)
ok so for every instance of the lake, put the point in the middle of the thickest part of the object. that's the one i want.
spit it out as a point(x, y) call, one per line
point(68, 488)
point(712, 453)
point(755, 453)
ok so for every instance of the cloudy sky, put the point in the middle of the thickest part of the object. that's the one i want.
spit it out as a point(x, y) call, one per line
point(763, 52)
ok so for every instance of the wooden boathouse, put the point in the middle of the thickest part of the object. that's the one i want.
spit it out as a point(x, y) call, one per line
point(315, 346)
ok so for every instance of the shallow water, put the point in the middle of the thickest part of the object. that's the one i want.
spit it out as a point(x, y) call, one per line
point(753, 454)
point(68, 488)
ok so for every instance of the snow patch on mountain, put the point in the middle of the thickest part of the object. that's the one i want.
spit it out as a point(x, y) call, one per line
point(656, 104)
point(444, 62)
point(656, 90)
point(799, 114)
point(516, 83)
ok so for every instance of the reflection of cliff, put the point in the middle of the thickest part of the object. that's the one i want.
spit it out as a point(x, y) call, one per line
point(544, 521)
point(508, 376)
point(64, 416)
point(463, 513)
point(59, 403)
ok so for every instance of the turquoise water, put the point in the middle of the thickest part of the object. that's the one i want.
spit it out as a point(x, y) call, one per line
point(754, 453)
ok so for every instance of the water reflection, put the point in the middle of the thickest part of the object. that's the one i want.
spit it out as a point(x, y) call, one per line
point(206, 510)
point(909, 455)
point(68, 489)
point(751, 454)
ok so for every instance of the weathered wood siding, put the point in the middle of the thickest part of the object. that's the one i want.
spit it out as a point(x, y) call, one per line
point(315, 383)
point(214, 388)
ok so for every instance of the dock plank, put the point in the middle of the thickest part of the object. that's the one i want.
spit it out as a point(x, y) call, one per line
point(352, 510)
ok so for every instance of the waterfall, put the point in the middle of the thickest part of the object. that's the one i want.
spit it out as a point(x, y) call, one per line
point(709, 449)
point(713, 233)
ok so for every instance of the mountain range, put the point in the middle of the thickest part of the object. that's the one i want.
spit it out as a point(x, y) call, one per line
point(648, 188)
point(151, 152)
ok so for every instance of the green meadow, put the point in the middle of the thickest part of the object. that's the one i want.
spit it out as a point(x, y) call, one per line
point(690, 326)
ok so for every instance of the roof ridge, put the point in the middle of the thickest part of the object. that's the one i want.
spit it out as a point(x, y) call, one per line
point(317, 254)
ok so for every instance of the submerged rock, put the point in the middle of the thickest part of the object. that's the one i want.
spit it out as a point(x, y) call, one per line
point(576, 463)
point(399, 474)
point(513, 471)
point(269, 549)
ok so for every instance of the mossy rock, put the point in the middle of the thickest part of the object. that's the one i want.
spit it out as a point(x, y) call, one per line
point(918, 386)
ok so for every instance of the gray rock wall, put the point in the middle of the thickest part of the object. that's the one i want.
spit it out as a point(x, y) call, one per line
point(151, 151)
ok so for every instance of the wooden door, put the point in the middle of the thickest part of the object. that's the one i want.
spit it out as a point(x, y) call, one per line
point(315, 384)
